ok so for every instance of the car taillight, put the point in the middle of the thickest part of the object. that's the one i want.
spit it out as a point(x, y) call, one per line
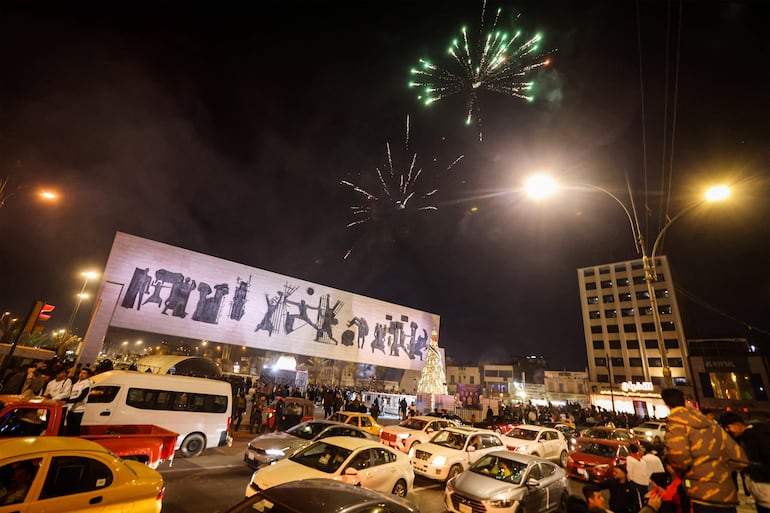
point(161, 493)
point(229, 423)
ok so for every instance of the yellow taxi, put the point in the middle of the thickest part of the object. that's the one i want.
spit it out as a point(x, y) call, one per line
point(56, 474)
point(361, 420)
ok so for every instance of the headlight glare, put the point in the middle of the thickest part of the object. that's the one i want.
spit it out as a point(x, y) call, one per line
point(439, 461)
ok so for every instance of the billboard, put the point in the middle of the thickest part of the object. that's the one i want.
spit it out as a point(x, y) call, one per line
point(173, 291)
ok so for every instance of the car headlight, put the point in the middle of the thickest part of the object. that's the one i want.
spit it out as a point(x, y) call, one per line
point(501, 503)
point(274, 452)
point(602, 467)
point(648, 433)
point(411, 452)
point(403, 435)
point(439, 461)
point(522, 449)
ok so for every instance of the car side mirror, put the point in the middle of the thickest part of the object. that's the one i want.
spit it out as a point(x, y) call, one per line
point(350, 471)
point(532, 482)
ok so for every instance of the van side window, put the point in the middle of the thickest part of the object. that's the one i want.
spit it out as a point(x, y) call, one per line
point(103, 394)
point(148, 399)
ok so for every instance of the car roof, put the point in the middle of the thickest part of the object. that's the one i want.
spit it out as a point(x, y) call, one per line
point(10, 447)
point(534, 428)
point(517, 456)
point(329, 496)
point(354, 413)
point(468, 430)
point(351, 443)
point(604, 441)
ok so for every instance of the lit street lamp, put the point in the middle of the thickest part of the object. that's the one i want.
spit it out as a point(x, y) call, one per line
point(541, 186)
point(87, 275)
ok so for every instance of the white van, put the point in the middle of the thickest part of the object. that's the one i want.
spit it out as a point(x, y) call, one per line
point(196, 408)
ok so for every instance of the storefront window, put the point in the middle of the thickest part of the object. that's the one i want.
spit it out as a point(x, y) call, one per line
point(731, 386)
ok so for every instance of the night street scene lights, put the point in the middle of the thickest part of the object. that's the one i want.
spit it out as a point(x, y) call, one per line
point(541, 186)
point(87, 276)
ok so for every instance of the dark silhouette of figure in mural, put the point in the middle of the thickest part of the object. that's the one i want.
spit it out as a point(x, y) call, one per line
point(162, 276)
point(303, 307)
point(272, 305)
point(155, 296)
point(397, 328)
point(416, 348)
point(378, 342)
point(363, 330)
point(238, 307)
point(328, 319)
point(137, 288)
point(177, 300)
point(212, 305)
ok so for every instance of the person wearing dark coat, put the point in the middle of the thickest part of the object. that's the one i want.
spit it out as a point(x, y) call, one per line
point(624, 496)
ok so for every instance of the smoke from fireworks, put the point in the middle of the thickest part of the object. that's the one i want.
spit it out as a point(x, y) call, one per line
point(398, 191)
point(499, 62)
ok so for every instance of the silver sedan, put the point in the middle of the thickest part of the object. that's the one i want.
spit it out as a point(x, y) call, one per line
point(508, 482)
point(271, 447)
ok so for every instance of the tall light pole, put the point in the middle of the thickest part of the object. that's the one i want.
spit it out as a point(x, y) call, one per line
point(87, 276)
point(540, 186)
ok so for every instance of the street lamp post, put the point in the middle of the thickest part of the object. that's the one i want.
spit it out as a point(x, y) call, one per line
point(541, 186)
point(87, 275)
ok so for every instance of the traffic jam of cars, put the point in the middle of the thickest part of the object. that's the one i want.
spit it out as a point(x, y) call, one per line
point(348, 459)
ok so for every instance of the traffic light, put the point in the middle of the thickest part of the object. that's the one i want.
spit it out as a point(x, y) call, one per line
point(45, 312)
point(40, 312)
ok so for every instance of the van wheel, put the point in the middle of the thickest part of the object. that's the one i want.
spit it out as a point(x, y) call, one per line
point(563, 459)
point(192, 445)
point(454, 472)
point(400, 488)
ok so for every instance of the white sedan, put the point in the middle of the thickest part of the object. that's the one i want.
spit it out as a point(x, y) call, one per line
point(539, 441)
point(351, 460)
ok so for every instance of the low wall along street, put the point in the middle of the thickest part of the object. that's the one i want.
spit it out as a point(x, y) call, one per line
point(158, 288)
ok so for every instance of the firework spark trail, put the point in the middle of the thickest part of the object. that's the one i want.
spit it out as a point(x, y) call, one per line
point(498, 63)
point(399, 190)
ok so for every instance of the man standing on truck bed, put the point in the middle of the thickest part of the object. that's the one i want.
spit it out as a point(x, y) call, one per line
point(78, 398)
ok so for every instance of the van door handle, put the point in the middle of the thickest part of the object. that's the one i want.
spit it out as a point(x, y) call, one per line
point(105, 413)
point(95, 500)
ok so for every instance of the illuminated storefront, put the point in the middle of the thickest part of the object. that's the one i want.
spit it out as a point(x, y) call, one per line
point(637, 397)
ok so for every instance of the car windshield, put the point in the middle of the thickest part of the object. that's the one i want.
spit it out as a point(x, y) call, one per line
point(413, 423)
point(322, 456)
point(499, 468)
point(307, 431)
point(603, 434)
point(261, 504)
point(523, 434)
point(649, 425)
point(597, 449)
point(450, 439)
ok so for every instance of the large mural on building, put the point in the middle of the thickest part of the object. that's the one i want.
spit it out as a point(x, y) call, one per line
point(174, 291)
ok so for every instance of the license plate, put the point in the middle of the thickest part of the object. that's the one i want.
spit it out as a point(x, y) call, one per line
point(464, 508)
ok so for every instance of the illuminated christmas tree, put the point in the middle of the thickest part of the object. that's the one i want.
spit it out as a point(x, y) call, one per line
point(433, 380)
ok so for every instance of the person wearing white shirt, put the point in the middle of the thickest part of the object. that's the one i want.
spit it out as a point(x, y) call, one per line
point(653, 462)
point(78, 398)
point(638, 473)
point(59, 388)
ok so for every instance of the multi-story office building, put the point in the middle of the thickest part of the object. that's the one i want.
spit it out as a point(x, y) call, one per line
point(625, 365)
point(562, 387)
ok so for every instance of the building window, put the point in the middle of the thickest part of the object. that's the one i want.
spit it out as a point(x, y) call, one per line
point(610, 314)
point(612, 328)
point(609, 298)
point(603, 378)
point(606, 284)
point(600, 362)
point(680, 382)
point(627, 312)
point(622, 282)
point(624, 297)
point(614, 344)
point(660, 277)
point(598, 344)
point(632, 344)
point(592, 300)
point(643, 294)
point(588, 272)
point(661, 293)
point(590, 285)
point(596, 329)
point(667, 326)
point(619, 378)
point(604, 270)
point(675, 362)
point(654, 362)
point(471, 382)
point(639, 280)
point(452, 379)
point(620, 268)
point(648, 326)
point(637, 378)
point(665, 309)
point(594, 314)
point(671, 343)
point(629, 328)
point(645, 310)
point(617, 362)
point(637, 265)
point(635, 362)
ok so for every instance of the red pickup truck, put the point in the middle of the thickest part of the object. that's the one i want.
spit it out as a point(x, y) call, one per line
point(20, 416)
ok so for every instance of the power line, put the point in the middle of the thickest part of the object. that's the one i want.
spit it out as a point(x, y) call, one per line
point(700, 302)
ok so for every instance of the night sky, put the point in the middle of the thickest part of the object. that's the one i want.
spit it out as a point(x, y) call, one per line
point(226, 130)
